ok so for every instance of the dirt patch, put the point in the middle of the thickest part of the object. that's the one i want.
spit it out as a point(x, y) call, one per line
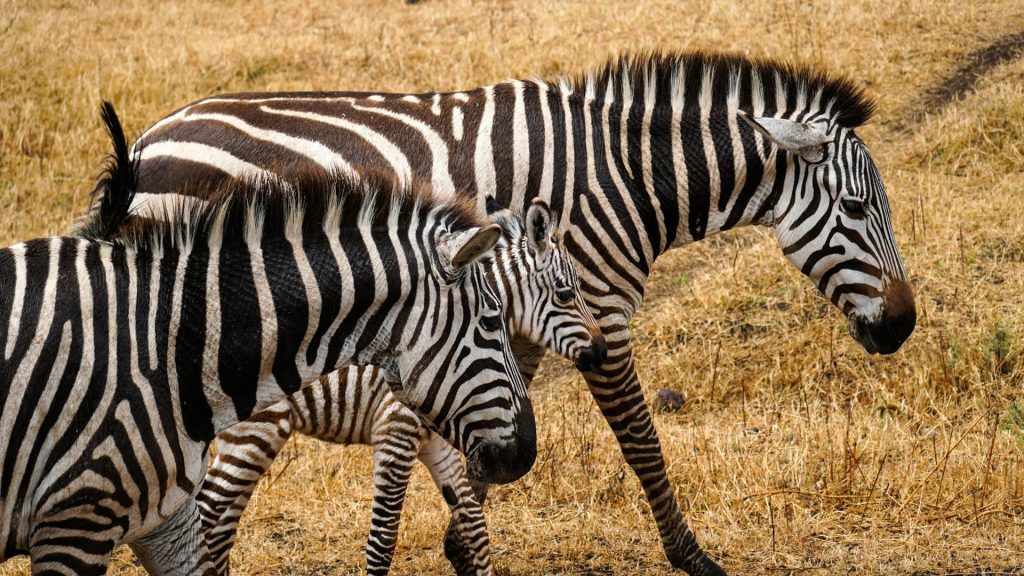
point(976, 65)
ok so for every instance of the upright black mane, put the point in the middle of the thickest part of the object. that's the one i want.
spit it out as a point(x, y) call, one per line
point(731, 74)
point(306, 202)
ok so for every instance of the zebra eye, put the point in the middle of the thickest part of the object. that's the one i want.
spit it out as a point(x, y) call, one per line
point(491, 323)
point(564, 295)
point(853, 208)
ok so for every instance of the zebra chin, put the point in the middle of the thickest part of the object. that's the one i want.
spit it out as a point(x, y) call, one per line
point(888, 333)
point(504, 461)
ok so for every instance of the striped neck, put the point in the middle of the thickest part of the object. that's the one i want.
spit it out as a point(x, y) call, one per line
point(660, 136)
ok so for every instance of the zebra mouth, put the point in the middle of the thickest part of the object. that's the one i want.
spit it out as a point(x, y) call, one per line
point(882, 337)
point(593, 356)
point(860, 332)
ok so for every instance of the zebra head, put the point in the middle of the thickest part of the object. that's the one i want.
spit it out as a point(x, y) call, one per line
point(537, 280)
point(458, 371)
point(831, 217)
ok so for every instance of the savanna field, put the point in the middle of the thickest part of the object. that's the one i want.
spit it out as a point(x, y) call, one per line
point(794, 452)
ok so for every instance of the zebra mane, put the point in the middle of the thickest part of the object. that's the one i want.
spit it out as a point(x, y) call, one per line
point(664, 72)
point(253, 210)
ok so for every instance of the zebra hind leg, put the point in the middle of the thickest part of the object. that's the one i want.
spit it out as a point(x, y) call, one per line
point(177, 546)
point(58, 550)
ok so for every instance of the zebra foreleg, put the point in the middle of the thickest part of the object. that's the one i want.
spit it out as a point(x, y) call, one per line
point(456, 548)
point(177, 546)
point(466, 544)
point(616, 388)
point(245, 452)
point(393, 458)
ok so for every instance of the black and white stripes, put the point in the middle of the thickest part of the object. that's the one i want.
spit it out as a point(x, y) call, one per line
point(122, 359)
point(538, 284)
point(649, 153)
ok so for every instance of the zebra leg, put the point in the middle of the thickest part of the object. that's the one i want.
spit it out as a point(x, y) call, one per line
point(394, 455)
point(528, 357)
point(466, 544)
point(245, 452)
point(176, 546)
point(61, 550)
point(616, 388)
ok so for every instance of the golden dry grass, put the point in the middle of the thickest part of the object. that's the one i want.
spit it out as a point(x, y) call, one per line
point(795, 452)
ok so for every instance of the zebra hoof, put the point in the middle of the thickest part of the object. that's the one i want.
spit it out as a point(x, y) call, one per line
point(704, 566)
point(457, 554)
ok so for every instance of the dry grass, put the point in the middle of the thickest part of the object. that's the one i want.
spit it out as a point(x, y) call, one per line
point(795, 452)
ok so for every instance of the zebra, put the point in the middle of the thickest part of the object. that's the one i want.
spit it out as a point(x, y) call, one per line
point(122, 360)
point(649, 152)
point(534, 277)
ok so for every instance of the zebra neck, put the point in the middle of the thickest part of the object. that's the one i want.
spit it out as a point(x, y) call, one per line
point(684, 172)
point(645, 174)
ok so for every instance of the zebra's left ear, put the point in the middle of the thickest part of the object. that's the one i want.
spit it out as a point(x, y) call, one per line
point(462, 248)
point(804, 139)
point(540, 225)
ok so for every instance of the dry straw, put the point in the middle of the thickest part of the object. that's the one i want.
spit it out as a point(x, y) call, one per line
point(795, 453)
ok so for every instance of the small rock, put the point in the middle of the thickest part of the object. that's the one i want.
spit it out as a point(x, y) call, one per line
point(668, 400)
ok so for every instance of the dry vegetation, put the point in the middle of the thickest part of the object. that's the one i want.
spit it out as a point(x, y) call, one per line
point(795, 452)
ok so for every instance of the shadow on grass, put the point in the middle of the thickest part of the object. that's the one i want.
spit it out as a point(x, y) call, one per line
point(976, 65)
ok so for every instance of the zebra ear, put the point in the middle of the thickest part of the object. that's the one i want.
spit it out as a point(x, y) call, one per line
point(807, 140)
point(462, 248)
point(540, 225)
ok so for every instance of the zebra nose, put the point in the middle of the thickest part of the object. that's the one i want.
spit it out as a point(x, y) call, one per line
point(592, 357)
point(504, 461)
point(899, 317)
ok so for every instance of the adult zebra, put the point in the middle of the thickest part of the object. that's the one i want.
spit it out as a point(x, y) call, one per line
point(122, 360)
point(649, 153)
point(535, 279)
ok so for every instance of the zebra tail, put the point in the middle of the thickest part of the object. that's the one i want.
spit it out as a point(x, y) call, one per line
point(112, 197)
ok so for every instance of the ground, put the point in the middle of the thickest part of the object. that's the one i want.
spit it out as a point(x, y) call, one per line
point(795, 452)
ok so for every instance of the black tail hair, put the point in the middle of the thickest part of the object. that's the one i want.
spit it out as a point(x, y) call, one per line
point(112, 197)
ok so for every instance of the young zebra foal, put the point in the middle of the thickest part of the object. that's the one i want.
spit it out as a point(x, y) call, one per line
point(537, 282)
point(122, 360)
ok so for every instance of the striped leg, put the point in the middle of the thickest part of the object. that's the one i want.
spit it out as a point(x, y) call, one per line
point(616, 388)
point(246, 452)
point(393, 459)
point(466, 543)
point(63, 550)
point(176, 546)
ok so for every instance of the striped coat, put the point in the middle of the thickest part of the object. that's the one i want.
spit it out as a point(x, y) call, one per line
point(648, 153)
point(122, 360)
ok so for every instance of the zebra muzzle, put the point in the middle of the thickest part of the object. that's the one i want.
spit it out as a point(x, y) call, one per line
point(506, 460)
point(594, 355)
point(888, 333)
